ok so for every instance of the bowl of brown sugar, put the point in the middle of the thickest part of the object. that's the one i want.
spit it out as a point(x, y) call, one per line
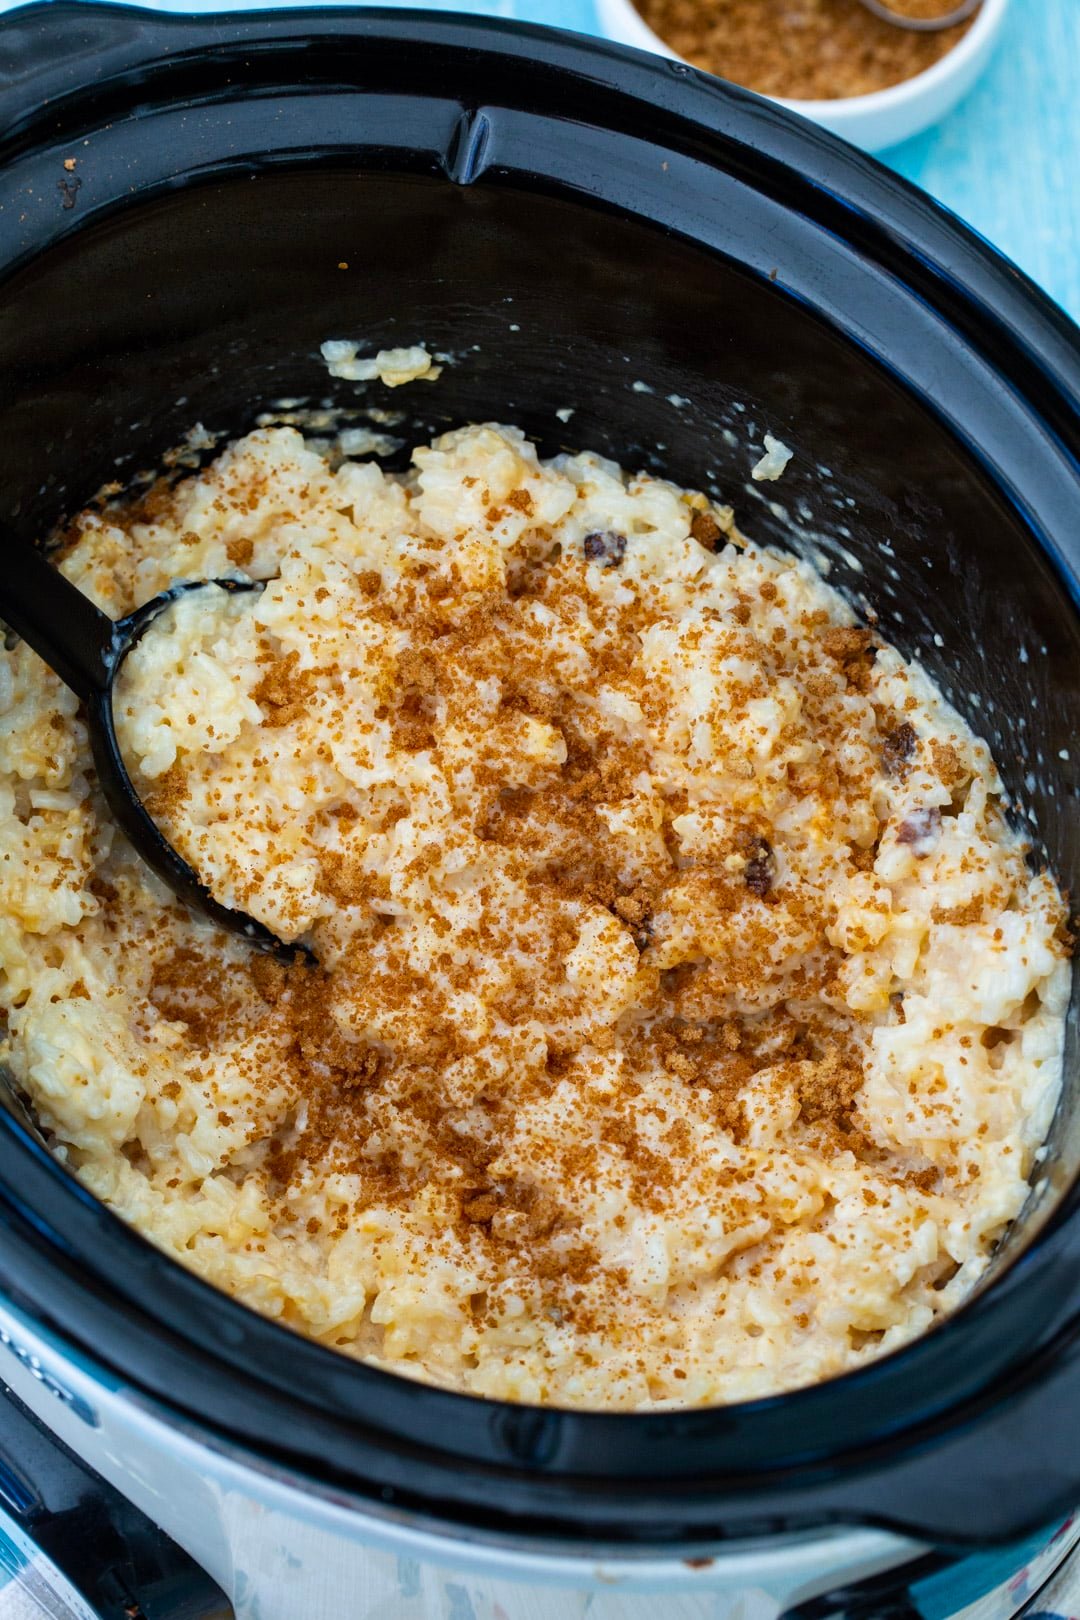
point(831, 60)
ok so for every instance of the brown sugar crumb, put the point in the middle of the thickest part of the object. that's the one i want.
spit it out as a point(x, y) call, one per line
point(959, 916)
point(240, 551)
point(636, 911)
point(521, 501)
point(568, 1266)
point(412, 727)
point(369, 582)
point(167, 793)
point(809, 50)
point(633, 908)
point(706, 531)
point(899, 746)
point(344, 878)
point(269, 976)
point(950, 768)
point(827, 1089)
point(853, 649)
point(413, 669)
point(731, 1035)
point(820, 686)
point(284, 692)
point(620, 1131)
point(678, 1063)
point(197, 992)
point(361, 1070)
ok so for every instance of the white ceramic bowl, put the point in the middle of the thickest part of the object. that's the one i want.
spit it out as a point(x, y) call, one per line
point(873, 121)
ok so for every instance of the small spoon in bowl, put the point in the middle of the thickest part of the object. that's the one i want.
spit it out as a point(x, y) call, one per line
point(923, 25)
point(86, 649)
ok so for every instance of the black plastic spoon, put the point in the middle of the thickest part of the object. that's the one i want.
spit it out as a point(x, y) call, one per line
point(86, 649)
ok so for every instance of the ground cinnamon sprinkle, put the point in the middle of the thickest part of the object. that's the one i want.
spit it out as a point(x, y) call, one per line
point(618, 846)
point(806, 50)
point(550, 831)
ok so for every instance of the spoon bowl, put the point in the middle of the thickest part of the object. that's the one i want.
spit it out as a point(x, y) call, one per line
point(87, 650)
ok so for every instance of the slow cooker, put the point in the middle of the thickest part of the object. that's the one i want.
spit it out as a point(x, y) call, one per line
point(614, 252)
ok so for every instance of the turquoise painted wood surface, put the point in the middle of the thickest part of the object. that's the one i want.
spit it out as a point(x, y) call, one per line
point(1007, 160)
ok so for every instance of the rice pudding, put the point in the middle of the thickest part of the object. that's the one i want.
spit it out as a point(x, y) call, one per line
point(687, 1015)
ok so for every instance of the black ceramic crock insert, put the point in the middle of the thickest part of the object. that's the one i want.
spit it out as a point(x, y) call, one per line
point(565, 218)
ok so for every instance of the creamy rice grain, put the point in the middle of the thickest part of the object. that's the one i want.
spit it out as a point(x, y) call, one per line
point(687, 1016)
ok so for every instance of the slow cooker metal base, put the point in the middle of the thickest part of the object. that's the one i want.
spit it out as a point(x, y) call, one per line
point(281, 1551)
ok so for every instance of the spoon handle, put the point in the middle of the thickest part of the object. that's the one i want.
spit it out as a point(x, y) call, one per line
point(53, 616)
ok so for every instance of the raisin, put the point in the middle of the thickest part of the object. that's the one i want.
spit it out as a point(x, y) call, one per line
point(606, 546)
point(758, 871)
point(898, 748)
point(918, 827)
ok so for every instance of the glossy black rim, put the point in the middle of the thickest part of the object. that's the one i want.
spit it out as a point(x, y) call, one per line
point(892, 1443)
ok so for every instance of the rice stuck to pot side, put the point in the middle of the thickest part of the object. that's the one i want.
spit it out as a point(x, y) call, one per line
point(687, 1017)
